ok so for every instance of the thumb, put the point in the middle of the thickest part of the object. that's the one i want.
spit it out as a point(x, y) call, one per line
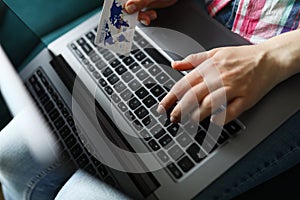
point(133, 6)
point(190, 62)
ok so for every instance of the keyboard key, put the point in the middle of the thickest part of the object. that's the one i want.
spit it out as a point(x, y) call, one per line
point(165, 141)
point(232, 127)
point(154, 70)
point(142, 93)
point(59, 123)
point(168, 86)
point(157, 90)
point(82, 161)
point(65, 112)
point(64, 132)
point(160, 98)
point(121, 69)
point(140, 56)
point(149, 101)
point(113, 79)
point(108, 90)
point(81, 41)
point(200, 136)
point(134, 85)
point(101, 64)
point(157, 131)
point(95, 161)
point(127, 77)
point(137, 125)
point(102, 82)
point(70, 141)
point(126, 95)
point(165, 120)
point(149, 83)
point(107, 72)
point(130, 116)
point(141, 112)
point(185, 164)
point(115, 63)
point(119, 87)
point(122, 107)
point(175, 152)
point(174, 170)
point(184, 140)
point(90, 36)
point(96, 74)
point(70, 121)
point(86, 48)
point(163, 156)
point(54, 114)
point(76, 151)
point(149, 121)
point(134, 103)
point(95, 57)
point(223, 137)
point(128, 60)
point(205, 123)
point(79, 54)
point(115, 98)
point(90, 169)
point(162, 78)
point(73, 46)
point(153, 144)
point(143, 43)
point(142, 75)
point(39, 90)
point(49, 106)
point(191, 128)
point(90, 68)
point(174, 129)
point(196, 153)
point(102, 170)
point(137, 36)
point(44, 99)
point(145, 135)
point(147, 63)
point(108, 55)
point(135, 67)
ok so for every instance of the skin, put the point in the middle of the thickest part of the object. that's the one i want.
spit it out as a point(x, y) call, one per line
point(245, 73)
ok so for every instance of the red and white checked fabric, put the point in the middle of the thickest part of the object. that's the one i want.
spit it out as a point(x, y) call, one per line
point(259, 20)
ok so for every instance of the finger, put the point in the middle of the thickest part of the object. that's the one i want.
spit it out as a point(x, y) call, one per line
point(178, 90)
point(212, 103)
point(133, 6)
point(191, 100)
point(147, 16)
point(190, 61)
point(234, 109)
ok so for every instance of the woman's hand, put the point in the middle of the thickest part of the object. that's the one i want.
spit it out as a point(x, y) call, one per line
point(146, 16)
point(240, 76)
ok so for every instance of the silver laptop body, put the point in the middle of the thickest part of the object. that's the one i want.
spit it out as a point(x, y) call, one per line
point(74, 112)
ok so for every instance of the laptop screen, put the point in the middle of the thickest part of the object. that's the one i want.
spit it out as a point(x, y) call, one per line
point(16, 38)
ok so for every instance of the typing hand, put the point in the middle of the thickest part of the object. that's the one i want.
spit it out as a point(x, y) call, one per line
point(146, 16)
point(237, 77)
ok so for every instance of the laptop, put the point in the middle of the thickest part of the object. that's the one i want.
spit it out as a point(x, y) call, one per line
point(100, 106)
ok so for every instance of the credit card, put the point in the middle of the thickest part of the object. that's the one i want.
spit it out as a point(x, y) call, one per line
point(116, 27)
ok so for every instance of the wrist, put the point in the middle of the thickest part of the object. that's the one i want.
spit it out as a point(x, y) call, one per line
point(281, 53)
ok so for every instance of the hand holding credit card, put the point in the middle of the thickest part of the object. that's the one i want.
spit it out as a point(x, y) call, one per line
point(116, 27)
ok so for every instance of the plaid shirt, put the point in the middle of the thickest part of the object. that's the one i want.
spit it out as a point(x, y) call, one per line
point(258, 20)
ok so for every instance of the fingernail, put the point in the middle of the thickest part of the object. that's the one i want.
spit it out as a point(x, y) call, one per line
point(160, 109)
point(173, 119)
point(144, 22)
point(153, 16)
point(131, 8)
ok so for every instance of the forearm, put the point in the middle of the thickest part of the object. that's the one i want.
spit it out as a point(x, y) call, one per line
point(283, 52)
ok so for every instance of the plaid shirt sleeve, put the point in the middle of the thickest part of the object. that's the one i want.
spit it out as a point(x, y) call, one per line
point(260, 20)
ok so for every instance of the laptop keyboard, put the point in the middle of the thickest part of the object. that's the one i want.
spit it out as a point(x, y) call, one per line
point(60, 121)
point(135, 84)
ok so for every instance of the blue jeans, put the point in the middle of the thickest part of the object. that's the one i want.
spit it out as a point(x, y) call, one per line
point(23, 178)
